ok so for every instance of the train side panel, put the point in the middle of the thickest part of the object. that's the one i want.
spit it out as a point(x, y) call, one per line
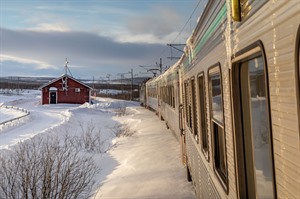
point(273, 28)
point(170, 91)
point(208, 54)
point(152, 94)
point(276, 25)
point(238, 84)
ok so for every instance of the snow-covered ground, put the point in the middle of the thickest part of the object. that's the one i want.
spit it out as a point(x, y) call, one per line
point(142, 163)
point(7, 114)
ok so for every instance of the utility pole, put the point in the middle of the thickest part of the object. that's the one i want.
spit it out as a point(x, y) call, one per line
point(160, 65)
point(108, 78)
point(18, 87)
point(93, 82)
point(176, 48)
point(154, 69)
point(131, 97)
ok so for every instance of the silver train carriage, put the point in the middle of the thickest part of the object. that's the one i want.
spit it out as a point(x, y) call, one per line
point(236, 97)
point(151, 101)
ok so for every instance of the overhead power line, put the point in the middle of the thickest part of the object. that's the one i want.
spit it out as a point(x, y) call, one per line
point(189, 19)
point(180, 32)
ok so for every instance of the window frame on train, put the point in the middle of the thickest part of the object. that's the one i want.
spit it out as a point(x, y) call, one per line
point(186, 101)
point(297, 65)
point(217, 128)
point(194, 113)
point(202, 115)
point(244, 120)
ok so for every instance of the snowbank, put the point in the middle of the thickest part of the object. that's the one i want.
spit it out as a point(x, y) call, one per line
point(138, 156)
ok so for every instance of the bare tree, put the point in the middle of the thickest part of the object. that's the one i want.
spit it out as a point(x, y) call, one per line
point(46, 168)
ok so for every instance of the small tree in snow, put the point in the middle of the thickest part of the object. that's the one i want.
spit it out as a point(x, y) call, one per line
point(46, 168)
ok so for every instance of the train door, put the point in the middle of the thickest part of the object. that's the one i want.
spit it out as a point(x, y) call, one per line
point(158, 91)
point(253, 129)
point(182, 109)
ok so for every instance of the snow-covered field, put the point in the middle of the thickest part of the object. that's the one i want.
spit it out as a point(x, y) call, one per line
point(144, 162)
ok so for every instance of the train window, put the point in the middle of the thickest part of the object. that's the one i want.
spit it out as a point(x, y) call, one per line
point(194, 122)
point(253, 137)
point(298, 71)
point(217, 124)
point(173, 97)
point(186, 101)
point(189, 110)
point(202, 114)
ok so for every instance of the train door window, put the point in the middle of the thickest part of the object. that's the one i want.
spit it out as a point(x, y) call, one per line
point(202, 114)
point(194, 122)
point(253, 131)
point(217, 124)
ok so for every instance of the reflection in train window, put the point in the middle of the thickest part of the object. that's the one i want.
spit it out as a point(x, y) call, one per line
point(298, 69)
point(255, 143)
point(217, 123)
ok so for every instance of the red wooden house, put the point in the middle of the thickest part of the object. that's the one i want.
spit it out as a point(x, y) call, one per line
point(65, 89)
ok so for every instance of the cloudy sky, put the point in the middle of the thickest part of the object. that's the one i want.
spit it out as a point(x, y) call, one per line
point(98, 37)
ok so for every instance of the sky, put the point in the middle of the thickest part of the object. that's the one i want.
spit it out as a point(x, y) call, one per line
point(98, 37)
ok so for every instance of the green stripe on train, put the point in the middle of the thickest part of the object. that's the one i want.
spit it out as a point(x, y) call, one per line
point(211, 29)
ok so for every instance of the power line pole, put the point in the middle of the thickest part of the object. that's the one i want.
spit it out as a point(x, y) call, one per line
point(176, 48)
point(108, 78)
point(131, 97)
point(160, 65)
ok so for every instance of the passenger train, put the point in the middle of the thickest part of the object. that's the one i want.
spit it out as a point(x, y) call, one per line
point(232, 100)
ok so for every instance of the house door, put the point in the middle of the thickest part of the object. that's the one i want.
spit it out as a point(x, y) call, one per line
point(53, 98)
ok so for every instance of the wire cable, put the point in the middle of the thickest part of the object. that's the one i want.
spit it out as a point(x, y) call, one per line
point(180, 32)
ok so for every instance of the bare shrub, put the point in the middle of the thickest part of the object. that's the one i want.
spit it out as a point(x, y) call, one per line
point(121, 111)
point(90, 139)
point(122, 130)
point(45, 168)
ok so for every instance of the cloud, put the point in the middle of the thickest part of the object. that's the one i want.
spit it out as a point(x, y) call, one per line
point(164, 22)
point(37, 64)
point(46, 27)
point(90, 53)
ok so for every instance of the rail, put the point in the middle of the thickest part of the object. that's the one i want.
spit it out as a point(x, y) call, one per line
point(17, 118)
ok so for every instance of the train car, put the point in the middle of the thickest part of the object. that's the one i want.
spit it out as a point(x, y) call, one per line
point(240, 82)
point(169, 98)
point(142, 92)
point(210, 157)
point(152, 94)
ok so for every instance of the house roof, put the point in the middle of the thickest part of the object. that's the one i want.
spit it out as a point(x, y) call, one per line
point(65, 75)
